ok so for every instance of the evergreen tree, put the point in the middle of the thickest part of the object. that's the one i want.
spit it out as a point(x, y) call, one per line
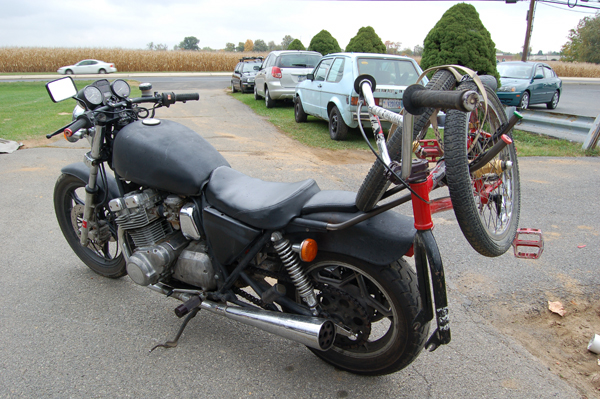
point(296, 44)
point(324, 43)
point(460, 38)
point(366, 41)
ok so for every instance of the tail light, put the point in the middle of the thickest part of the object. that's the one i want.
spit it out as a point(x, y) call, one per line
point(354, 101)
point(276, 72)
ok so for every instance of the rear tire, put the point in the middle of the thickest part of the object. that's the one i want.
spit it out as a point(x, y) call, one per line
point(375, 184)
point(486, 202)
point(379, 303)
point(102, 255)
point(299, 113)
point(338, 130)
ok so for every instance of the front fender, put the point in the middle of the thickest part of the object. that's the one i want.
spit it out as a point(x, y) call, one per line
point(82, 172)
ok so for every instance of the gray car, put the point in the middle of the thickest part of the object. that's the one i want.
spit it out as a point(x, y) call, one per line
point(280, 72)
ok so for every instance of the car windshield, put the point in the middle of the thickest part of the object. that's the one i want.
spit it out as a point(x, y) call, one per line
point(249, 66)
point(514, 71)
point(389, 72)
point(298, 60)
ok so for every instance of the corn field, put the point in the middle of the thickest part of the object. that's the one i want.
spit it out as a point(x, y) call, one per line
point(38, 59)
point(31, 59)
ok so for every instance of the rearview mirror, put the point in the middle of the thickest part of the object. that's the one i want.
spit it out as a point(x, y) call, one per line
point(61, 89)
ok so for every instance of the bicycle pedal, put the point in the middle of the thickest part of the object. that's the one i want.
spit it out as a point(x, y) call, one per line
point(430, 150)
point(528, 243)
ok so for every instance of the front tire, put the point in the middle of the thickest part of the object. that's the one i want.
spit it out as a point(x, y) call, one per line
point(269, 102)
point(68, 72)
point(486, 202)
point(102, 71)
point(233, 89)
point(524, 104)
point(299, 114)
point(102, 254)
point(554, 102)
point(338, 130)
point(256, 96)
point(375, 183)
point(378, 303)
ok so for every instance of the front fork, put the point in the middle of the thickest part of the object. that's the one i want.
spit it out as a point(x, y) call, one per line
point(91, 160)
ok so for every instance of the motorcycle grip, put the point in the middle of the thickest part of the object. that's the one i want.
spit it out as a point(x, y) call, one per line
point(417, 99)
point(187, 97)
point(73, 127)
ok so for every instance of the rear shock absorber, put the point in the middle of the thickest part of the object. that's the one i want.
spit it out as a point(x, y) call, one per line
point(291, 262)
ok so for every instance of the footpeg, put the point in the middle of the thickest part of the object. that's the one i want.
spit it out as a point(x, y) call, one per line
point(528, 243)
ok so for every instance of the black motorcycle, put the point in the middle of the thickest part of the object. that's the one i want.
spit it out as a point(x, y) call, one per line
point(289, 258)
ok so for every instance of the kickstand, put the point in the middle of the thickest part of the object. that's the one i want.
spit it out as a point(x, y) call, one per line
point(173, 344)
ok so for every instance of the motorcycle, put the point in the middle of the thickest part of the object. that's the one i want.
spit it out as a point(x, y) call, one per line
point(291, 259)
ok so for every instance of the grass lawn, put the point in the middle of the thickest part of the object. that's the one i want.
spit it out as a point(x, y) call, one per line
point(315, 133)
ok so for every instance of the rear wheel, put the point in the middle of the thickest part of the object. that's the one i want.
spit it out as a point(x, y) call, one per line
point(338, 130)
point(269, 102)
point(378, 303)
point(486, 202)
point(375, 184)
point(299, 113)
point(102, 254)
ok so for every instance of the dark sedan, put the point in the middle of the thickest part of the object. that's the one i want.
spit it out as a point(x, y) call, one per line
point(243, 75)
point(528, 83)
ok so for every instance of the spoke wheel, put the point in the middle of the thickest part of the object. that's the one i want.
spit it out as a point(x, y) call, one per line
point(378, 304)
point(486, 202)
point(102, 254)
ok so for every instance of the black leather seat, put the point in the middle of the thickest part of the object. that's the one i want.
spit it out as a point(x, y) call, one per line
point(261, 204)
point(331, 201)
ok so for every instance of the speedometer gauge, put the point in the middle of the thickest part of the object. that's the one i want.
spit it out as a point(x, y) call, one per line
point(120, 88)
point(92, 95)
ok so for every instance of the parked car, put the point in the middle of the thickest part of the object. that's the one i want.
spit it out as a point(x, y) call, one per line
point(244, 73)
point(280, 72)
point(527, 83)
point(328, 92)
point(87, 66)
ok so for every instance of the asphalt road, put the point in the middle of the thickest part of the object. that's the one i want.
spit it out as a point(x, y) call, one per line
point(68, 333)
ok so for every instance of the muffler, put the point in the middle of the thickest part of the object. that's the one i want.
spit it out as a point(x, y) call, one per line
point(313, 332)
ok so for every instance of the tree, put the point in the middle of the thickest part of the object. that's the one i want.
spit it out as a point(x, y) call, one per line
point(540, 52)
point(249, 45)
point(272, 46)
point(189, 43)
point(157, 47)
point(418, 50)
point(324, 43)
point(406, 51)
point(260, 45)
point(296, 44)
point(230, 47)
point(240, 47)
point(392, 47)
point(366, 41)
point(460, 38)
point(285, 42)
point(584, 41)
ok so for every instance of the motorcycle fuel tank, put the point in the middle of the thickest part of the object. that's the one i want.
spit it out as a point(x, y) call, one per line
point(165, 155)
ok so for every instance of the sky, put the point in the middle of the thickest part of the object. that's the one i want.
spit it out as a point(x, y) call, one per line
point(132, 24)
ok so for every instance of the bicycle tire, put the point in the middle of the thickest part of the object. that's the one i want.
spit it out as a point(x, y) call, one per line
point(375, 183)
point(487, 202)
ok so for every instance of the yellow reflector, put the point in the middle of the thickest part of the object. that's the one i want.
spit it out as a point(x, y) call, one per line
point(308, 250)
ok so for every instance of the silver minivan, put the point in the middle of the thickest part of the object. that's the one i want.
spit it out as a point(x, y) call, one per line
point(281, 72)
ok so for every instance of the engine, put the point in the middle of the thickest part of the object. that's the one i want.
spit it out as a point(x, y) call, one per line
point(165, 238)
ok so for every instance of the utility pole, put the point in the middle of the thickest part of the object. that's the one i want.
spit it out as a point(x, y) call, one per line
point(529, 29)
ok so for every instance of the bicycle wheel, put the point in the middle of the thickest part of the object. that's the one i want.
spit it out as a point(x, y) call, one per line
point(375, 183)
point(102, 254)
point(486, 202)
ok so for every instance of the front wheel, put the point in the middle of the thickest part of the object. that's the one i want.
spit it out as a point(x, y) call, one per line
point(256, 96)
point(102, 254)
point(524, 104)
point(233, 89)
point(486, 201)
point(299, 114)
point(554, 102)
point(378, 303)
point(269, 102)
point(102, 71)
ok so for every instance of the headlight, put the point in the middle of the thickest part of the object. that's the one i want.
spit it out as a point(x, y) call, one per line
point(508, 88)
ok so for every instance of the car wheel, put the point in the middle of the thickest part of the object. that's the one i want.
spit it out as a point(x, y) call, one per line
point(68, 72)
point(102, 71)
point(256, 96)
point(299, 113)
point(233, 89)
point(338, 130)
point(554, 102)
point(269, 102)
point(524, 100)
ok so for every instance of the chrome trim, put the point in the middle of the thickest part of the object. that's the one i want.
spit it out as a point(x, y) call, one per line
point(188, 222)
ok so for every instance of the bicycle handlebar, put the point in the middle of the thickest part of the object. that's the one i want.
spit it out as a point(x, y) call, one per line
point(417, 99)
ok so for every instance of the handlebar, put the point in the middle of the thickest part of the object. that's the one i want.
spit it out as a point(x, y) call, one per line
point(417, 99)
point(167, 99)
point(82, 122)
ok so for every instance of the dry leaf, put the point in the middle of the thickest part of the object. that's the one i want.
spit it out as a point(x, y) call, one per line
point(556, 307)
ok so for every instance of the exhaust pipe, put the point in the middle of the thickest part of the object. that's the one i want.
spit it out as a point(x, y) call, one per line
point(313, 332)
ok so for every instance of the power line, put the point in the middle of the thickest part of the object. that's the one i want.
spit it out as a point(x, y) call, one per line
point(569, 9)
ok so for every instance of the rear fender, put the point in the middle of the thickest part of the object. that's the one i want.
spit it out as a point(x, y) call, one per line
point(82, 172)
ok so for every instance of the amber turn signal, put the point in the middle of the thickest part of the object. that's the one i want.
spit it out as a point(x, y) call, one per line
point(308, 250)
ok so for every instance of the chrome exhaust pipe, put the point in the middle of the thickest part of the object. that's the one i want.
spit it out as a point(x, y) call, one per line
point(313, 332)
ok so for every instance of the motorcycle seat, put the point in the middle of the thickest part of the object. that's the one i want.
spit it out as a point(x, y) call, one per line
point(331, 201)
point(260, 204)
